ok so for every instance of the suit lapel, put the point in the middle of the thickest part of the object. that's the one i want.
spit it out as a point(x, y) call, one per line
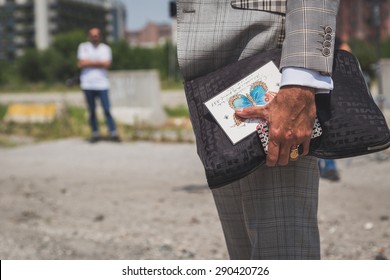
point(276, 6)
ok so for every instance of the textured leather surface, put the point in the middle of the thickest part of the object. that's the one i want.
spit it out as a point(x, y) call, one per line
point(352, 123)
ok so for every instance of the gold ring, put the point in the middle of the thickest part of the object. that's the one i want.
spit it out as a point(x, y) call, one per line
point(294, 153)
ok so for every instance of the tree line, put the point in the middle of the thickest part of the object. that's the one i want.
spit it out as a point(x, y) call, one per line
point(58, 63)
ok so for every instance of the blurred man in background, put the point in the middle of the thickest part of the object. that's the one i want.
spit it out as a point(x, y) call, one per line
point(94, 59)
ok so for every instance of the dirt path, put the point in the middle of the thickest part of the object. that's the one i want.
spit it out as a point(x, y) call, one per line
point(72, 200)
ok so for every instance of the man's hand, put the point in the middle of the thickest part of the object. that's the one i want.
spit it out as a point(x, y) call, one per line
point(290, 117)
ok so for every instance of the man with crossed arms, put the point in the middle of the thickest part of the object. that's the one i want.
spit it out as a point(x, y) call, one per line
point(94, 60)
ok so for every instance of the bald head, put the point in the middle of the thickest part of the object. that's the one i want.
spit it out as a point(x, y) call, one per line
point(94, 35)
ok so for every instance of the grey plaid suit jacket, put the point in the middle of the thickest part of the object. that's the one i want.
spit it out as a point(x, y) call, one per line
point(214, 33)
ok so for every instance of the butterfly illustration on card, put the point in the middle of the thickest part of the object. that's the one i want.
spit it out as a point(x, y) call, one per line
point(259, 95)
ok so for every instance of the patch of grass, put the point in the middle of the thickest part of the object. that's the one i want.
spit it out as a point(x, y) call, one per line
point(73, 122)
point(6, 143)
point(167, 84)
point(41, 87)
point(3, 111)
point(177, 112)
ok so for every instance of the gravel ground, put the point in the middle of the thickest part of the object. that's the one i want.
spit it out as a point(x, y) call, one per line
point(69, 199)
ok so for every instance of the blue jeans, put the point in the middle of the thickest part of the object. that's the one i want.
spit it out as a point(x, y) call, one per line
point(90, 96)
point(327, 164)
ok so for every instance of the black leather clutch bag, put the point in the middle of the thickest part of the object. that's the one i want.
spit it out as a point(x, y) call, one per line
point(351, 122)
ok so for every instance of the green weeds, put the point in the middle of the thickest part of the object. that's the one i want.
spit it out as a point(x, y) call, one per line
point(72, 121)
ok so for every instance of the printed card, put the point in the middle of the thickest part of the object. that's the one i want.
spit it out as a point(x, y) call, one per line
point(256, 89)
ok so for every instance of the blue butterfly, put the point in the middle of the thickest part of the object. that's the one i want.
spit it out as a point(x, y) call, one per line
point(258, 96)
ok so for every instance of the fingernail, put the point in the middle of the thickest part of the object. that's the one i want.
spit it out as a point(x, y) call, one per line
point(240, 110)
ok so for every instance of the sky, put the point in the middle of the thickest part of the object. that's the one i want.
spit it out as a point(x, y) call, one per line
point(139, 12)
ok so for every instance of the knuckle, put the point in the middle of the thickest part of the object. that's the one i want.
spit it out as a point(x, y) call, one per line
point(304, 135)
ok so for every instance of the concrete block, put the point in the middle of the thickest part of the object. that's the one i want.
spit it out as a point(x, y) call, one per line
point(135, 97)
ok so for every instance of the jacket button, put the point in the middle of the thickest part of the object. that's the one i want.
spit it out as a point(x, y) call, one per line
point(327, 44)
point(326, 51)
point(328, 30)
point(328, 37)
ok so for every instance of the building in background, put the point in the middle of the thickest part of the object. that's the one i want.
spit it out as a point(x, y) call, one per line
point(118, 20)
point(17, 29)
point(154, 34)
point(358, 19)
point(33, 23)
point(150, 36)
point(173, 16)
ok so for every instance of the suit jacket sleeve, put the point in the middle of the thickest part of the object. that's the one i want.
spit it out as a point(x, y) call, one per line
point(310, 34)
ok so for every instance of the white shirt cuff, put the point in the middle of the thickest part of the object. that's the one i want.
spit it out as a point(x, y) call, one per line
point(305, 77)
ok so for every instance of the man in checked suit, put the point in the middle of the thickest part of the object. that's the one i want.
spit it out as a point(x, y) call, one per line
point(271, 213)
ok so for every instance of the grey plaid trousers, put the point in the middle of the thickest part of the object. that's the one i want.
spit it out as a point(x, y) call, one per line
point(272, 213)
